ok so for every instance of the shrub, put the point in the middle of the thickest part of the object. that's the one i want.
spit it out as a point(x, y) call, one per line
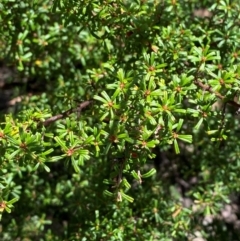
point(126, 125)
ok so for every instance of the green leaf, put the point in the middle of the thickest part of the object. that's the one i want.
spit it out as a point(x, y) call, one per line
point(107, 193)
point(180, 122)
point(152, 144)
point(212, 132)
point(47, 152)
point(121, 75)
point(207, 211)
point(71, 137)
point(156, 92)
point(14, 141)
point(126, 183)
point(47, 169)
point(149, 173)
point(186, 138)
point(84, 152)
point(75, 164)
point(96, 97)
point(176, 147)
point(135, 175)
point(197, 126)
point(105, 95)
point(36, 166)
point(103, 117)
point(26, 56)
point(61, 143)
point(13, 154)
point(128, 198)
point(7, 209)
point(12, 201)
point(89, 140)
point(54, 159)
point(107, 148)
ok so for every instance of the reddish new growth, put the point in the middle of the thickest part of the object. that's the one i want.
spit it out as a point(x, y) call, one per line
point(2, 135)
point(122, 86)
point(70, 152)
point(221, 81)
point(165, 107)
point(110, 104)
point(134, 155)
point(178, 89)
point(144, 143)
point(151, 68)
point(235, 55)
point(113, 139)
point(147, 92)
point(2, 205)
point(19, 42)
point(204, 114)
point(23, 146)
point(129, 33)
point(175, 135)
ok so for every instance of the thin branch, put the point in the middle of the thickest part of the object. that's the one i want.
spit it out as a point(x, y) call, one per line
point(65, 114)
point(217, 94)
point(208, 88)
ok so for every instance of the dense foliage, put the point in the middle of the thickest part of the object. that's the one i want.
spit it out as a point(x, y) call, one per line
point(119, 120)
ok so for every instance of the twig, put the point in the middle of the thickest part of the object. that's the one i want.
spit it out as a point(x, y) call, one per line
point(217, 94)
point(208, 88)
point(65, 114)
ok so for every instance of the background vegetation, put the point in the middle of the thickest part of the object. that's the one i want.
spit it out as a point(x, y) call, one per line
point(119, 120)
